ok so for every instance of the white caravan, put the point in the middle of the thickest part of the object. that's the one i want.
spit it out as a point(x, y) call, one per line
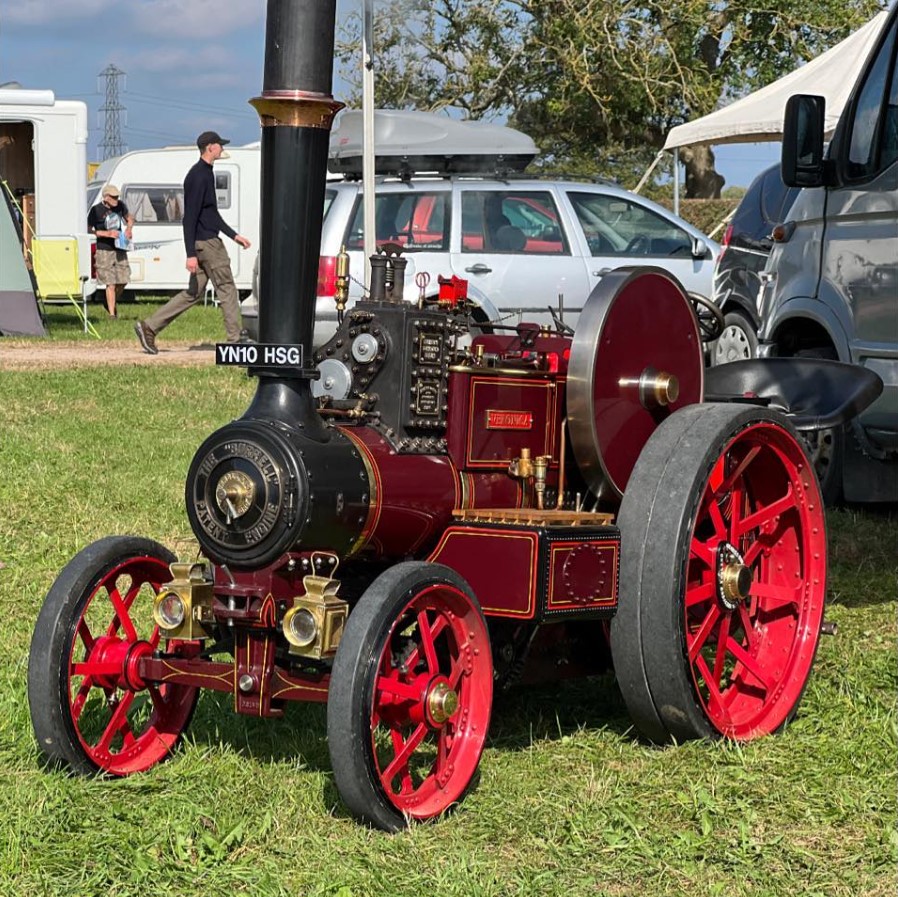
point(151, 183)
point(43, 160)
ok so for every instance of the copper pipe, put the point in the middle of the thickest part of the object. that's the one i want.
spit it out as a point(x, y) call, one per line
point(561, 455)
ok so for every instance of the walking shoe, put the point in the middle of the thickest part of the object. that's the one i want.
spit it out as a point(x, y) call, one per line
point(147, 338)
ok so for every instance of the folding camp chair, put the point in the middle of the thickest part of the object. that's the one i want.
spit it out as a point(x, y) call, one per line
point(62, 272)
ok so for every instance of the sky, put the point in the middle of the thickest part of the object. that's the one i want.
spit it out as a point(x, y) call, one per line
point(190, 66)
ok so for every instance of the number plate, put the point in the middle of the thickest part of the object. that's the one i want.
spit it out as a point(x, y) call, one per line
point(267, 355)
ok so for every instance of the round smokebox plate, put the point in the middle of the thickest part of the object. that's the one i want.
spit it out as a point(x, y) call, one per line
point(230, 524)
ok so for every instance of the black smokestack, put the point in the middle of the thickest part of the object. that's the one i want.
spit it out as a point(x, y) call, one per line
point(296, 110)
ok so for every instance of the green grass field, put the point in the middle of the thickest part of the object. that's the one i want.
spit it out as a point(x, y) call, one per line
point(202, 323)
point(568, 802)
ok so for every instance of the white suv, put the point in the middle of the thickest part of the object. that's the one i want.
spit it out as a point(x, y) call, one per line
point(520, 242)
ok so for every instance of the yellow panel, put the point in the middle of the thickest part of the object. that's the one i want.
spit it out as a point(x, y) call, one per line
point(56, 266)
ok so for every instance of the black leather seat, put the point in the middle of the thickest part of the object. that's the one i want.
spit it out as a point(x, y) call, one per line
point(816, 393)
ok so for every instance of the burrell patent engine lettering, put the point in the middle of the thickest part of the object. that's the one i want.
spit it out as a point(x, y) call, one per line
point(429, 508)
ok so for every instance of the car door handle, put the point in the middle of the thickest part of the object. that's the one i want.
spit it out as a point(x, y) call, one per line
point(479, 268)
point(601, 272)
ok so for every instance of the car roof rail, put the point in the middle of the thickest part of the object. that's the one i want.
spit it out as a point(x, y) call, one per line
point(549, 175)
point(494, 174)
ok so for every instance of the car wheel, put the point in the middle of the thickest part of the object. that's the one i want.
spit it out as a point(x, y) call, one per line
point(738, 341)
point(826, 448)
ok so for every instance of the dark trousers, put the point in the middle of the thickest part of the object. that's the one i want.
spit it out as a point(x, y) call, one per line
point(213, 263)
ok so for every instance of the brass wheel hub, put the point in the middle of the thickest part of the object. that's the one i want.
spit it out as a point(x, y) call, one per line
point(442, 702)
point(734, 578)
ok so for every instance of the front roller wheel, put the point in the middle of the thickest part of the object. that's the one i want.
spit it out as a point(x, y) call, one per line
point(723, 576)
point(90, 710)
point(410, 696)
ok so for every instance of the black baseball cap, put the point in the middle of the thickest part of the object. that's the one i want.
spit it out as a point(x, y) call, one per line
point(209, 137)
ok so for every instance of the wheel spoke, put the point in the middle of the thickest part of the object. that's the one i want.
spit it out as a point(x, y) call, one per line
point(715, 696)
point(747, 625)
point(699, 593)
point(772, 596)
point(404, 751)
point(434, 630)
point(405, 782)
point(86, 636)
point(117, 722)
point(458, 670)
point(750, 663)
point(444, 747)
point(750, 555)
point(737, 501)
point(81, 698)
point(738, 471)
point(762, 516)
point(702, 551)
point(391, 685)
point(427, 637)
point(722, 635)
point(96, 668)
point(697, 642)
point(122, 615)
point(716, 515)
point(715, 478)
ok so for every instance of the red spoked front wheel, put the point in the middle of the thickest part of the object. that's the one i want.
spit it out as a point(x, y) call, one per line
point(722, 602)
point(90, 709)
point(410, 696)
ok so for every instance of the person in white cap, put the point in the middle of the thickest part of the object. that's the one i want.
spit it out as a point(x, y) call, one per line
point(109, 219)
point(207, 257)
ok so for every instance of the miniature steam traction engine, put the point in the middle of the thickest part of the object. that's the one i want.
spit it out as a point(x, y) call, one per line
point(408, 518)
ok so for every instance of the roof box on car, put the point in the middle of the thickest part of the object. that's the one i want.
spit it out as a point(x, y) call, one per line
point(421, 142)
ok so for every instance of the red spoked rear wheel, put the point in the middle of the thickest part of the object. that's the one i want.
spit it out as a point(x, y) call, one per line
point(410, 696)
point(90, 709)
point(755, 583)
point(723, 576)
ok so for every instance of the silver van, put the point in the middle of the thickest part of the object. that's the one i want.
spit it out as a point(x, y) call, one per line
point(830, 286)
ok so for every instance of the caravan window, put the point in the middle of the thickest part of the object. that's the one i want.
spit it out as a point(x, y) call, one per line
point(155, 204)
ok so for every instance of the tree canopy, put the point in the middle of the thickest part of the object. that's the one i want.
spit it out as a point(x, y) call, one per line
point(596, 83)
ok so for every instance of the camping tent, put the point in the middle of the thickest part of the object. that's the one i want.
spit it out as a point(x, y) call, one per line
point(19, 312)
point(759, 116)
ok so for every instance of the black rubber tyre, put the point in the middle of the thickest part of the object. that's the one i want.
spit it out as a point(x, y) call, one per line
point(738, 341)
point(716, 479)
point(393, 762)
point(633, 520)
point(85, 715)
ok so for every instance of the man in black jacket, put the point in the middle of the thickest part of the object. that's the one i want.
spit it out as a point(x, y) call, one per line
point(207, 258)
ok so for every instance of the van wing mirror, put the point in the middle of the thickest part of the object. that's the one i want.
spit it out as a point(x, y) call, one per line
point(802, 158)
